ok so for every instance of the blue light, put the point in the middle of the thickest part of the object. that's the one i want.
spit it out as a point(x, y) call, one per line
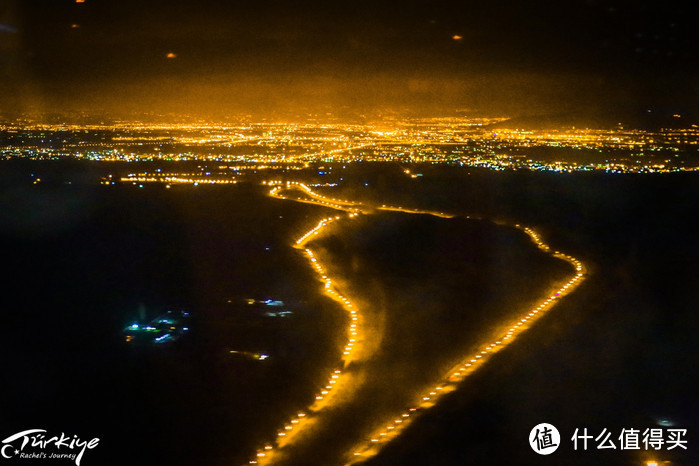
point(134, 326)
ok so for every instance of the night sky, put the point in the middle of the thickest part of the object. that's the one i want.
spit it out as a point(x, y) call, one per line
point(212, 58)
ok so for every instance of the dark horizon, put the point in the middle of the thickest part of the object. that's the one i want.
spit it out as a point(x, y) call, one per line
point(213, 58)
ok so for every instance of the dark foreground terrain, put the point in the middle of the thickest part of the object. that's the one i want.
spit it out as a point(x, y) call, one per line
point(82, 261)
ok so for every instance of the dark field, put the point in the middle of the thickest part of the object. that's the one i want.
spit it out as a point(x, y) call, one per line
point(74, 280)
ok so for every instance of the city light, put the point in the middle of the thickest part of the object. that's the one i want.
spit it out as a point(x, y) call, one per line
point(465, 142)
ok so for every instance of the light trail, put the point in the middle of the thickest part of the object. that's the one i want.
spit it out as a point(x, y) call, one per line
point(450, 381)
point(323, 154)
point(337, 378)
point(472, 362)
point(316, 199)
point(414, 211)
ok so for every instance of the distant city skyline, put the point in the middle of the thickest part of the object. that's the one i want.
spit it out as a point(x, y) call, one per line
point(265, 146)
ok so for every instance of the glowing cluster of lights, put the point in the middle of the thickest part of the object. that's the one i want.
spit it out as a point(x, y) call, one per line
point(465, 141)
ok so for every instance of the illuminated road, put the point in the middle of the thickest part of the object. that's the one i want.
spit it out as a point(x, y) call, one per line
point(472, 362)
point(325, 154)
point(269, 452)
point(340, 380)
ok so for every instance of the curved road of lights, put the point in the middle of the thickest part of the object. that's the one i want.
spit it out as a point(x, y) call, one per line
point(390, 429)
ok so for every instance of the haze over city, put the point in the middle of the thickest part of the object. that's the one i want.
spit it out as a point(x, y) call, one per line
point(212, 59)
